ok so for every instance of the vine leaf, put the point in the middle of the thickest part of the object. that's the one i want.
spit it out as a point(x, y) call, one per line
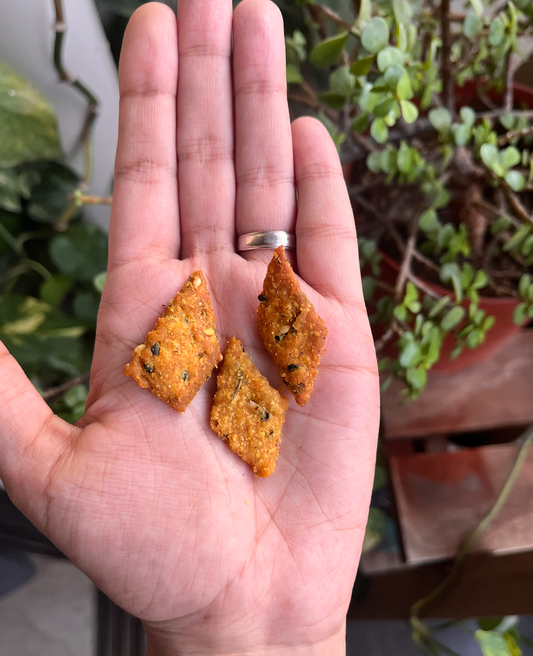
point(28, 126)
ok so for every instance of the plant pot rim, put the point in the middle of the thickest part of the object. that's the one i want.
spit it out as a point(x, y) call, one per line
point(497, 300)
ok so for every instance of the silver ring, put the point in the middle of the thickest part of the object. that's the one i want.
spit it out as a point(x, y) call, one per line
point(268, 239)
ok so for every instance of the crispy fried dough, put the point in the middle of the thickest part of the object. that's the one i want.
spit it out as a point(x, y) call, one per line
point(247, 413)
point(290, 328)
point(181, 351)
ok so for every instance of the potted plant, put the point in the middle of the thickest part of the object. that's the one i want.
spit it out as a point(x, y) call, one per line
point(437, 143)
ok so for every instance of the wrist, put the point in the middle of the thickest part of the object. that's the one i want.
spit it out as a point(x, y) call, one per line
point(206, 643)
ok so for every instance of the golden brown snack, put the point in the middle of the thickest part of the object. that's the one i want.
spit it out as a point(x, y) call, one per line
point(180, 352)
point(290, 328)
point(247, 413)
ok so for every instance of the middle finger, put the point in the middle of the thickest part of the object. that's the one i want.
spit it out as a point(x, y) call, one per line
point(206, 177)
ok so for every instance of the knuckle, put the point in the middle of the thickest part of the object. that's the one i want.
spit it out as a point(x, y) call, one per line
point(204, 149)
point(144, 170)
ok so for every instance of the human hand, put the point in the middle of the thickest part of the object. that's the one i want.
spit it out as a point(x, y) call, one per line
point(148, 502)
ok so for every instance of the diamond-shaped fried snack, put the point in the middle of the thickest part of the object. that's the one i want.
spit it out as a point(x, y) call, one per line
point(290, 328)
point(181, 351)
point(247, 413)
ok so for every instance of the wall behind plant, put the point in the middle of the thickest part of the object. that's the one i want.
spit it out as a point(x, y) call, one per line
point(26, 43)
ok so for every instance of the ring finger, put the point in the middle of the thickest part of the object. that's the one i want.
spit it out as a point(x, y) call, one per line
point(264, 170)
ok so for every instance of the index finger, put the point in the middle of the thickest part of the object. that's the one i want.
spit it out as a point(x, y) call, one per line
point(144, 216)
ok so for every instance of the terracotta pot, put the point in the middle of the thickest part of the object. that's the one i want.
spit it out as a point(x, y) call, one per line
point(500, 308)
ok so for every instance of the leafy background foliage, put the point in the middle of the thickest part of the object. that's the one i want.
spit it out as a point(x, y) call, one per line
point(50, 269)
point(373, 74)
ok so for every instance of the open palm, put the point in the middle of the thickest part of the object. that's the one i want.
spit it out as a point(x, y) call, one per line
point(148, 502)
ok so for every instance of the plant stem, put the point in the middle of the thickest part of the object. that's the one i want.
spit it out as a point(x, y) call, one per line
point(517, 205)
point(65, 387)
point(509, 78)
point(515, 134)
point(467, 544)
point(65, 76)
point(447, 81)
point(385, 339)
point(95, 200)
point(405, 268)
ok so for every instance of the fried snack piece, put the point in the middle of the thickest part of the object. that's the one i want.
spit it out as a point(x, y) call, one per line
point(290, 328)
point(247, 413)
point(180, 352)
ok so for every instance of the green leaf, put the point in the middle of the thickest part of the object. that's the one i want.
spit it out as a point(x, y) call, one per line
point(362, 66)
point(402, 11)
point(456, 352)
point(418, 378)
point(390, 57)
point(440, 118)
point(468, 116)
point(367, 99)
point(461, 134)
point(449, 272)
point(28, 127)
point(481, 279)
point(409, 111)
point(400, 312)
point(411, 293)
point(477, 6)
point(379, 130)
point(428, 221)
point(380, 478)
point(496, 32)
point(475, 338)
point(293, 74)
point(524, 285)
point(472, 25)
point(375, 529)
point(515, 180)
point(410, 355)
point(375, 35)
point(439, 306)
point(81, 251)
point(489, 154)
point(383, 107)
point(342, 81)
point(508, 121)
point(365, 11)
point(489, 623)
point(520, 313)
point(38, 334)
point(488, 323)
point(327, 52)
point(510, 157)
point(405, 158)
point(392, 76)
point(373, 162)
point(333, 100)
point(500, 225)
point(491, 643)
point(404, 90)
point(360, 123)
point(452, 318)
point(54, 290)
point(76, 396)
point(50, 196)
point(86, 307)
point(517, 239)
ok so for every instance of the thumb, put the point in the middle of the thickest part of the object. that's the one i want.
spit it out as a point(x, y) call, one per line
point(32, 439)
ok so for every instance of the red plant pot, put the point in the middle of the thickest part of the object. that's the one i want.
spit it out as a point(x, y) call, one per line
point(500, 308)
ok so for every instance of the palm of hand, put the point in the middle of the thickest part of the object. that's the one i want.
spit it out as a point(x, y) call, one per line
point(155, 508)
